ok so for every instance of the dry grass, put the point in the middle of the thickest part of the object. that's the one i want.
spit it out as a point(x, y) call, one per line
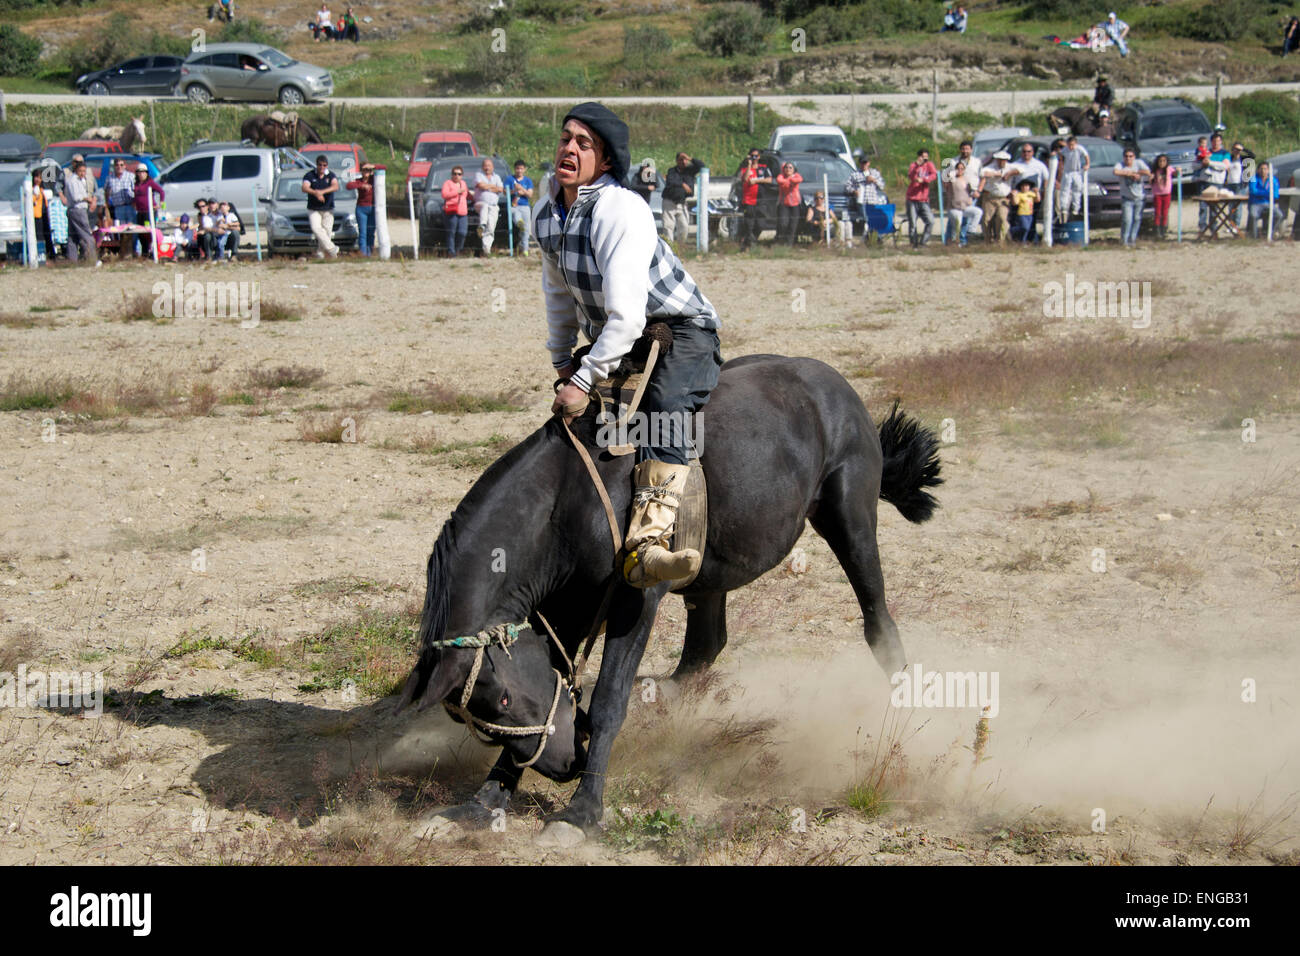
point(1060, 374)
point(334, 428)
point(434, 397)
point(1051, 510)
point(140, 308)
point(24, 320)
point(94, 401)
point(284, 376)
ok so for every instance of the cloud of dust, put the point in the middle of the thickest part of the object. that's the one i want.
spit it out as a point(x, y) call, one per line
point(1148, 733)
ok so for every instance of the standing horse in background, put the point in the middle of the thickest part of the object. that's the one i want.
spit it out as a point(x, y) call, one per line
point(278, 129)
point(129, 136)
point(531, 546)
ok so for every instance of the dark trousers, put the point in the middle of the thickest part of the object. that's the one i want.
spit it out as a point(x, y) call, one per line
point(787, 223)
point(679, 386)
point(146, 238)
point(748, 225)
point(45, 235)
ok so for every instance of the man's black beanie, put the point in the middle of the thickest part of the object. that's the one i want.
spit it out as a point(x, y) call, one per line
point(611, 130)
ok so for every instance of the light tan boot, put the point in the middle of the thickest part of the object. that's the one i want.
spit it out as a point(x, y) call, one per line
point(659, 488)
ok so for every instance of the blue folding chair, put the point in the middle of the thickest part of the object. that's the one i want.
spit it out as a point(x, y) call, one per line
point(880, 220)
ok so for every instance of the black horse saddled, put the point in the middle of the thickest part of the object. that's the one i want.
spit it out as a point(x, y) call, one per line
point(265, 129)
point(788, 440)
point(1080, 122)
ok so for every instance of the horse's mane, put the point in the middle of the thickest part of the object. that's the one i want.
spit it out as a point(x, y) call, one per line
point(433, 618)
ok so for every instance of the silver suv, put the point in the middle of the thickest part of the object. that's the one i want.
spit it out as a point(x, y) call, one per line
point(251, 71)
point(288, 228)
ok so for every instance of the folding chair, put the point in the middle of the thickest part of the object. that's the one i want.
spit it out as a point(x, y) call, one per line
point(880, 220)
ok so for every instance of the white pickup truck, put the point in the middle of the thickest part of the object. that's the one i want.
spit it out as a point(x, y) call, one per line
point(811, 139)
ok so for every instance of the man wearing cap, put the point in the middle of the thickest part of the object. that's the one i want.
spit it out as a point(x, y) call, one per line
point(994, 197)
point(79, 196)
point(1103, 96)
point(1117, 30)
point(320, 185)
point(605, 272)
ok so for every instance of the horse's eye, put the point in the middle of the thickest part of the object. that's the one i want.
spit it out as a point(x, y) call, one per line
point(505, 701)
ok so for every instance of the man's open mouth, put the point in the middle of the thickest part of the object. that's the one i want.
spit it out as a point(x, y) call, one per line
point(567, 166)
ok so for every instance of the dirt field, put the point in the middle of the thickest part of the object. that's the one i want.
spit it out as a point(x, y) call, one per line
point(191, 533)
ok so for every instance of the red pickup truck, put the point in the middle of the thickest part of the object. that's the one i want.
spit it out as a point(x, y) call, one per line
point(63, 151)
point(435, 144)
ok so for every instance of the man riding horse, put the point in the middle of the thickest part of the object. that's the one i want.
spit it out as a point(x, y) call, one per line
point(605, 270)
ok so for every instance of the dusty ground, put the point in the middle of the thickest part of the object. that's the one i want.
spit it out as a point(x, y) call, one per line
point(1120, 691)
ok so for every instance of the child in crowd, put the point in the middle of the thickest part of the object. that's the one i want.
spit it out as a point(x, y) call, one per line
point(1202, 150)
point(1023, 200)
point(185, 238)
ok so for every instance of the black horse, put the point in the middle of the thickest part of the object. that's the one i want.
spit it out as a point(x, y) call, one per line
point(788, 439)
point(1080, 122)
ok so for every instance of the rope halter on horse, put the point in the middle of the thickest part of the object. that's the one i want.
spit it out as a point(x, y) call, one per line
point(503, 636)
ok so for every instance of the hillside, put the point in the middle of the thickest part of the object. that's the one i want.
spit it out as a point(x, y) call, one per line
point(576, 47)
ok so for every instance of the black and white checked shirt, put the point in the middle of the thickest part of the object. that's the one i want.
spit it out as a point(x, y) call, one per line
point(605, 270)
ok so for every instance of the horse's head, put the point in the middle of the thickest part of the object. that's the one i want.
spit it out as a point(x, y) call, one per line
point(504, 683)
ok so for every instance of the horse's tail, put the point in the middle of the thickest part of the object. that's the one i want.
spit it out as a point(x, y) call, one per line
point(911, 456)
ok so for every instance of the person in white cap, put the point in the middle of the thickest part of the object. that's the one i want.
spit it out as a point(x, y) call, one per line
point(1117, 30)
point(995, 198)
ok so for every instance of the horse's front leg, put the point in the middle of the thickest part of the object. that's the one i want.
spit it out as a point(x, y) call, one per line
point(632, 615)
point(488, 804)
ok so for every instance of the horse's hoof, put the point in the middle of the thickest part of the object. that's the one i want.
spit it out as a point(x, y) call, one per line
point(451, 820)
point(561, 835)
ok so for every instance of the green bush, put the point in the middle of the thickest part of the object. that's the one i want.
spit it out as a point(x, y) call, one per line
point(832, 24)
point(7, 6)
point(644, 47)
point(251, 31)
point(731, 29)
point(19, 53)
point(120, 39)
point(488, 64)
point(1085, 12)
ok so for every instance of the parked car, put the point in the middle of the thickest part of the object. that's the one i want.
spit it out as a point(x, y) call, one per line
point(19, 147)
point(140, 76)
point(63, 151)
point(434, 144)
point(287, 227)
point(346, 159)
point(1105, 207)
point(812, 167)
point(811, 139)
point(251, 71)
point(1172, 126)
point(433, 222)
point(234, 172)
point(988, 141)
point(11, 203)
point(101, 163)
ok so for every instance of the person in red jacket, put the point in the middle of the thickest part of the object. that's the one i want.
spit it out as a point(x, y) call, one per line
point(919, 176)
point(752, 175)
point(787, 207)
